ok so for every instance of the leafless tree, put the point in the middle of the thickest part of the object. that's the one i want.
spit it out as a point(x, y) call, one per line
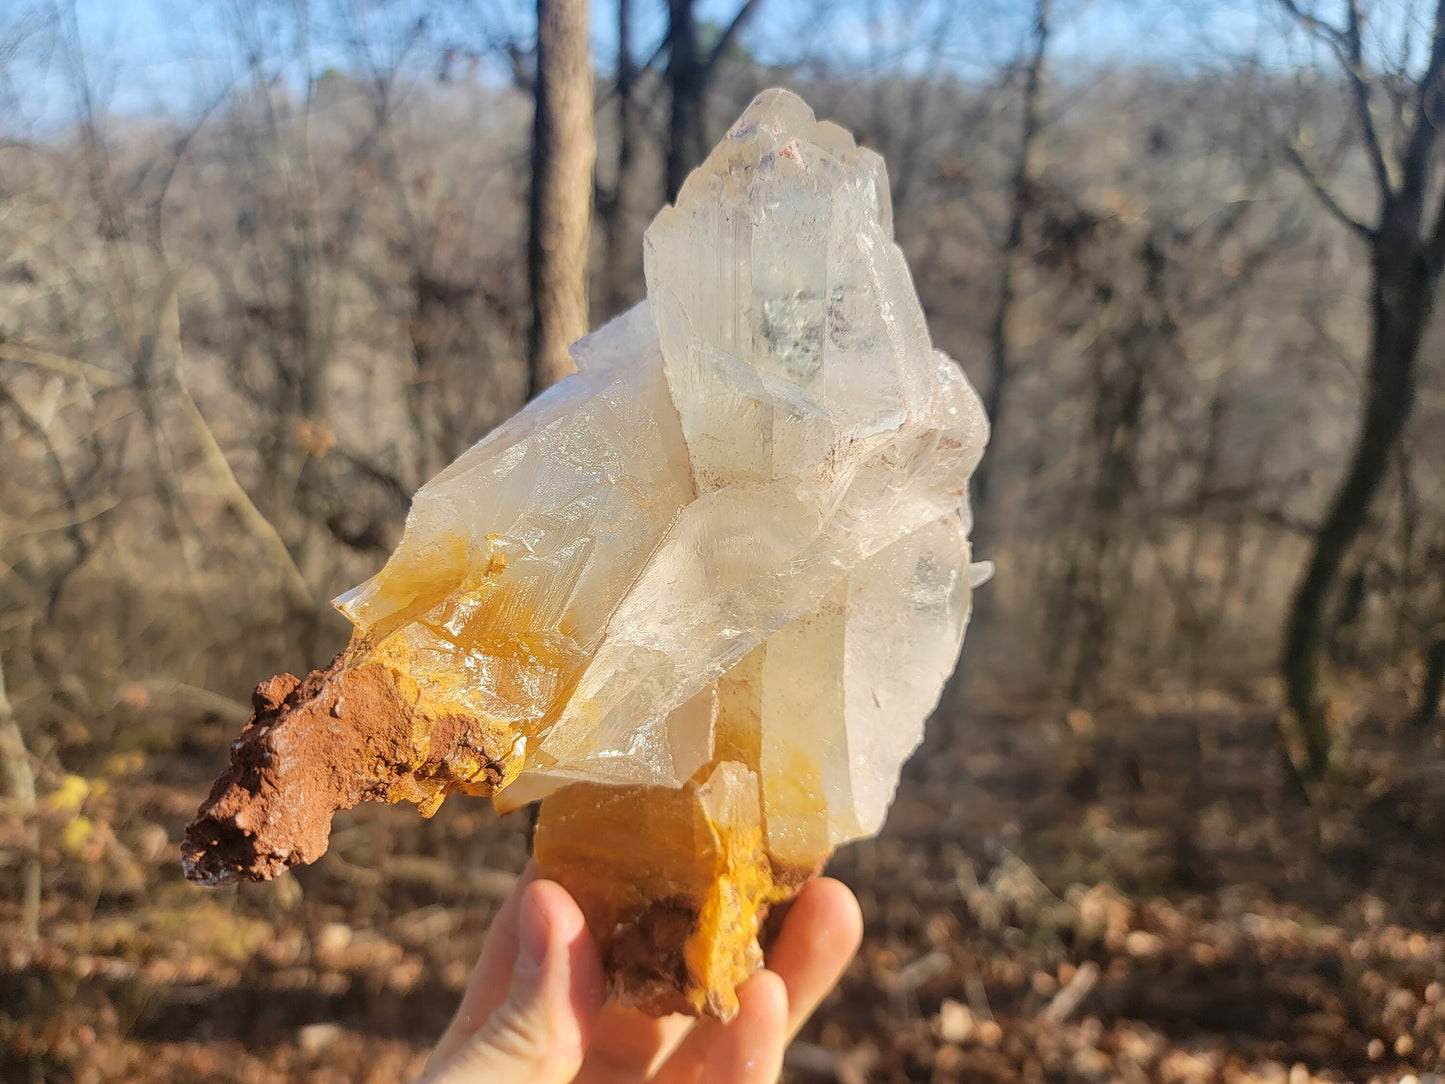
point(1404, 235)
point(612, 205)
point(342, 234)
point(690, 71)
point(1433, 687)
point(1020, 190)
point(564, 149)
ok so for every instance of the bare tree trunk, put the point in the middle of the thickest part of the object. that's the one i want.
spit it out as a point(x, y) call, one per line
point(1405, 267)
point(79, 537)
point(1000, 368)
point(20, 783)
point(614, 209)
point(685, 81)
point(564, 149)
point(173, 402)
point(1434, 686)
point(689, 73)
point(1402, 292)
point(985, 527)
point(1118, 411)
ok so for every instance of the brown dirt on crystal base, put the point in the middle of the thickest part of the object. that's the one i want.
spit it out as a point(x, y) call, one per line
point(675, 901)
point(348, 733)
point(1240, 936)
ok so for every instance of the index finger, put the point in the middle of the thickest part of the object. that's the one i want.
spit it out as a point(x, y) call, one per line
point(820, 934)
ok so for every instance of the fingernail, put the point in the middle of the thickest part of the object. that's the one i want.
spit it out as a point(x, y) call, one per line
point(533, 938)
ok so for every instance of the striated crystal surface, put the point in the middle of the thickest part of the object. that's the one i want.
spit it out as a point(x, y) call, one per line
point(830, 448)
point(699, 597)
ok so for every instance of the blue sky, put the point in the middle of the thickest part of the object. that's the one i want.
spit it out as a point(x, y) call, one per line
point(145, 56)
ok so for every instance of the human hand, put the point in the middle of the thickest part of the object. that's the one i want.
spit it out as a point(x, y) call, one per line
point(533, 1010)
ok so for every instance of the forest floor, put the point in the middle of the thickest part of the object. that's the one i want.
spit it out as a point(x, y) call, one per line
point(1130, 895)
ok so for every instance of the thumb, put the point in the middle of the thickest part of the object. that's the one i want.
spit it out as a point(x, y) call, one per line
point(540, 1033)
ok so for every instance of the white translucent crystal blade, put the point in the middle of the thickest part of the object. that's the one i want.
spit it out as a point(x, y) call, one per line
point(779, 257)
point(846, 688)
point(739, 533)
point(516, 555)
point(821, 425)
point(804, 749)
point(682, 745)
point(729, 797)
point(908, 608)
point(618, 342)
point(743, 561)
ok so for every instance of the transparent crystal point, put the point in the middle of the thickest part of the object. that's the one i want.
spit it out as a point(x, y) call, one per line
point(738, 536)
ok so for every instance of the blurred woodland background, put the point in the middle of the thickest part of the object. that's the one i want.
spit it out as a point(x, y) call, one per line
point(267, 265)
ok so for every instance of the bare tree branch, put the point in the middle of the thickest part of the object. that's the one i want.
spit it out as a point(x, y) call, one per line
point(1347, 45)
point(40, 358)
point(1354, 64)
point(1000, 347)
point(728, 37)
point(389, 480)
point(44, 523)
point(168, 350)
point(195, 697)
point(1424, 135)
point(78, 538)
point(1326, 198)
point(1314, 24)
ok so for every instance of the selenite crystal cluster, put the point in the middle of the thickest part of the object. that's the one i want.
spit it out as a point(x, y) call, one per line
point(699, 597)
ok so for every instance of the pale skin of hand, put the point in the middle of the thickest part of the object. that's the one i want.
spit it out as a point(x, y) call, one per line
point(534, 1010)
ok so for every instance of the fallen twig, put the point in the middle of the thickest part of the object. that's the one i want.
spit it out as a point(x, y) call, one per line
point(168, 349)
point(40, 358)
point(923, 970)
point(1063, 1004)
point(222, 707)
point(490, 884)
point(851, 1067)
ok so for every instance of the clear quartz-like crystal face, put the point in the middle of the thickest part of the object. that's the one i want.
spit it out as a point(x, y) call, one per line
point(786, 314)
point(739, 534)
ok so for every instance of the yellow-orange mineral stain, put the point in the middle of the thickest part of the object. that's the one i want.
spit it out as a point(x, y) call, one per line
point(454, 652)
point(466, 644)
point(675, 884)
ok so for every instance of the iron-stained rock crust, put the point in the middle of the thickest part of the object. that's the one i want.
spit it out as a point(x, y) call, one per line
point(344, 735)
point(644, 957)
